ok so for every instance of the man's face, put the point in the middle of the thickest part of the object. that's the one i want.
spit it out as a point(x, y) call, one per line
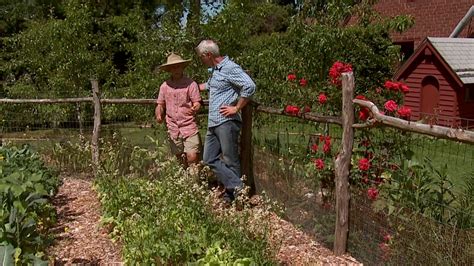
point(176, 69)
point(206, 59)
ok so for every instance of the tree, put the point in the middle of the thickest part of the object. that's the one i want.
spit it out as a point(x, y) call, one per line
point(16, 14)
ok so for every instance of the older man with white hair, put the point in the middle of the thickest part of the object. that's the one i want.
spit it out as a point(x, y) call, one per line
point(229, 91)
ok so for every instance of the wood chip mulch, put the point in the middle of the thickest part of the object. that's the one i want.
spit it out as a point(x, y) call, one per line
point(298, 248)
point(81, 240)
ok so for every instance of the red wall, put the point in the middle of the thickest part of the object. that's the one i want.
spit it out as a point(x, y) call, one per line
point(466, 108)
point(448, 98)
point(433, 18)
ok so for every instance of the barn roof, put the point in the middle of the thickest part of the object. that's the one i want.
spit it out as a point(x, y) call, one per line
point(456, 54)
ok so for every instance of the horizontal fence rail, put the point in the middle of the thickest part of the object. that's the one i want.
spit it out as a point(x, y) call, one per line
point(432, 130)
point(343, 162)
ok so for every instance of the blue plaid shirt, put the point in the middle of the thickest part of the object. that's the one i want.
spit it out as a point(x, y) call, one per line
point(227, 82)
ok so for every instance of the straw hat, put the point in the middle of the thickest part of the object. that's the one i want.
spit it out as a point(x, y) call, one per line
point(174, 59)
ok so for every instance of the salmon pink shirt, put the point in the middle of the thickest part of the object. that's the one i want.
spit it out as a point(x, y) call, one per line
point(178, 98)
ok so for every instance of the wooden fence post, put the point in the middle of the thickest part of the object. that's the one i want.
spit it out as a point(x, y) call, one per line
point(96, 130)
point(342, 164)
point(246, 152)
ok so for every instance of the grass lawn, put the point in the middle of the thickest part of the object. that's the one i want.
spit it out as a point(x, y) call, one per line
point(290, 137)
point(458, 157)
point(286, 136)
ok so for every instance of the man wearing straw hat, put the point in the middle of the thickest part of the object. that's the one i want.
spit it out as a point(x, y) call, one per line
point(229, 91)
point(179, 100)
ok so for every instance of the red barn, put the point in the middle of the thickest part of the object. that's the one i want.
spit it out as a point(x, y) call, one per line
point(434, 18)
point(440, 75)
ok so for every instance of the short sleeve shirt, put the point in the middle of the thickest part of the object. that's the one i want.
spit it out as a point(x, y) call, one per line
point(178, 98)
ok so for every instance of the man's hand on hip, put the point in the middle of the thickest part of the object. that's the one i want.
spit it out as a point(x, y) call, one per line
point(228, 110)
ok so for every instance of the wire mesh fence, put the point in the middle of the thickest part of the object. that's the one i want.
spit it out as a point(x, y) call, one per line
point(375, 236)
point(282, 166)
point(67, 129)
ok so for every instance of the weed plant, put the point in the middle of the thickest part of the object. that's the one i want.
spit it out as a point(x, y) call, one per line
point(163, 215)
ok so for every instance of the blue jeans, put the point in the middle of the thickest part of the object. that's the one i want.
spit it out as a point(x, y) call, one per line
point(221, 153)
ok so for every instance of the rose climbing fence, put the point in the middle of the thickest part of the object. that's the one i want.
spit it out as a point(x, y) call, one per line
point(280, 170)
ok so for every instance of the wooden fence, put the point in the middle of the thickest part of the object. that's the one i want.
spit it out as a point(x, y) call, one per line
point(342, 161)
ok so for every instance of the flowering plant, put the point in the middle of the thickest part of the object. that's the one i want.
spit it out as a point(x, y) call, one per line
point(321, 164)
point(336, 71)
point(292, 110)
point(375, 156)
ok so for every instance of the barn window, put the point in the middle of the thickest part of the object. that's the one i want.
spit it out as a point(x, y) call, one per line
point(469, 93)
point(406, 49)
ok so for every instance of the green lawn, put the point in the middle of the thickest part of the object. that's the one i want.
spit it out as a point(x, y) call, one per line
point(287, 136)
point(458, 157)
point(290, 137)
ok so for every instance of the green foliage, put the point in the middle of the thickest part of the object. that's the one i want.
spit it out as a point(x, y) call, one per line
point(426, 189)
point(25, 186)
point(161, 216)
point(242, 20)
point(73, 156)
point(121, 46)
point(308, 51)
point(16, 14)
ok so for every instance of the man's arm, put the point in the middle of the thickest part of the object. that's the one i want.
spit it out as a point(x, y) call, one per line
point(232, 110)
point(202, 86)
point(159, 113)
point(247, 88)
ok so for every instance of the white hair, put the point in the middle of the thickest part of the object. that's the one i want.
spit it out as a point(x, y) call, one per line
point(208, 46)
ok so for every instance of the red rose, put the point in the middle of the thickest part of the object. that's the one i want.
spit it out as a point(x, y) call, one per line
point(364, 114)
point(404, 111)
point(319, 163)
point(292, 110)
point(322, 98)
point(314, 148)
point(396, 86)
point(306, 109)
point(372, 193)
point(361, 97)
point(391, 106)
point(291, 77)
point(327, 139)
point(389, 85)
point(364, 164)
point(327, 147)
point(336, 70)
point(404, 88)
point(303, 82)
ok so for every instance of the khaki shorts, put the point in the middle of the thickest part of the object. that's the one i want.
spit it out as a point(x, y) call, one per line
point(186, 145)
